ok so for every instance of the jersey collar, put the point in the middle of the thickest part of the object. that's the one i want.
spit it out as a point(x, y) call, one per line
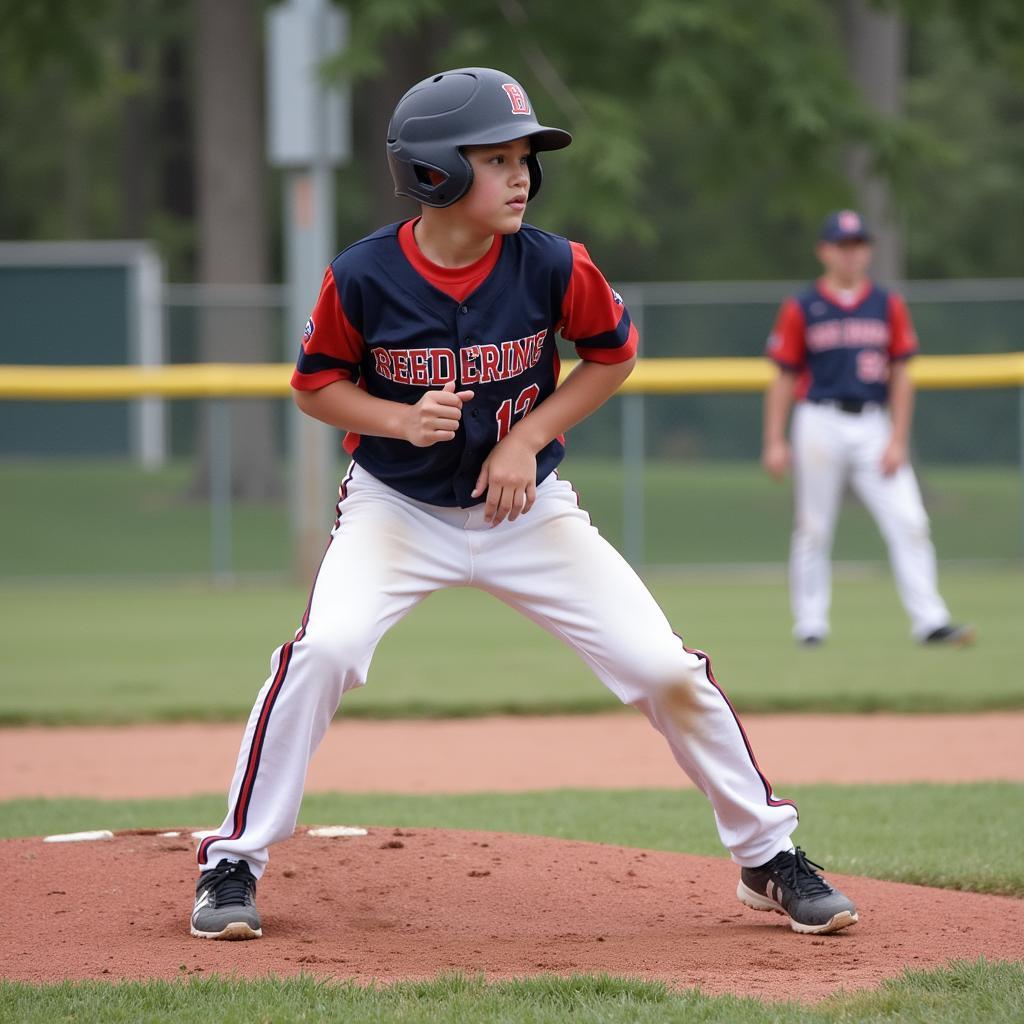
point(837, 300)
point(455, 282)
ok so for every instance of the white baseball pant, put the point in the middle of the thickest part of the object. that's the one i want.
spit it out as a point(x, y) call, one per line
point(387, 553)
point(831, 447)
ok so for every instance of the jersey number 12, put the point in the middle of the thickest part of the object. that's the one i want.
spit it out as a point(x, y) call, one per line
point(523, 404)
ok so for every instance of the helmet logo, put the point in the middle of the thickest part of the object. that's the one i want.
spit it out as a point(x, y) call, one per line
point(849, 221)
point(517, 97)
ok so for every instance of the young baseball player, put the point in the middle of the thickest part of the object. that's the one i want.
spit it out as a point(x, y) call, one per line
point(842, 348)
point(432, 345)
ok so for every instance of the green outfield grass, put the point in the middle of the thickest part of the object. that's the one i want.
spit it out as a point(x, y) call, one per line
point(963, 992)
point(133, 651)
point(949, 836)
point(75, 517)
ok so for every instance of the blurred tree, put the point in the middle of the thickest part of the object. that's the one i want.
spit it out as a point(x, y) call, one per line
point(966, 78)
point(675, 109)
point(874, 41)
point(709, 133)
point(233, 244)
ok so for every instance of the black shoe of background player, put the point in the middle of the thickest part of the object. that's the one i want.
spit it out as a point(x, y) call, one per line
point(811, 641)
point(788, 884)
point(951, 636)
point(225, 905)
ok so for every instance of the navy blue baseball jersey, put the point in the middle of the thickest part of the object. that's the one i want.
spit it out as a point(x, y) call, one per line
point(398, 325)
point(842, 346)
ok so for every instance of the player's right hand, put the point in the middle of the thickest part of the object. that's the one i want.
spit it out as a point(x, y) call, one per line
point(775, 458)
point(436, 416)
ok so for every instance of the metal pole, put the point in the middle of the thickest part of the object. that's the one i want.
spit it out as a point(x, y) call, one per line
point(634, 453)
point(309, 196)
point(220, 490)
point(308, 129)
point(633, 505)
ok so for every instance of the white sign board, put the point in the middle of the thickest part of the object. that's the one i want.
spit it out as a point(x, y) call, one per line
point(307, 122)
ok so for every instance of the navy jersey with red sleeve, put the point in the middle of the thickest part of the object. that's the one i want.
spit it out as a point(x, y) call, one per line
point(399, 326)
point(843, 347)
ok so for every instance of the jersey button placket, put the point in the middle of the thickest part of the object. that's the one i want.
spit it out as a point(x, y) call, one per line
point(464, 330)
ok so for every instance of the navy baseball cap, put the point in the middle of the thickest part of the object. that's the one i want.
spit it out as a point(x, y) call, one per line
point(844, 226)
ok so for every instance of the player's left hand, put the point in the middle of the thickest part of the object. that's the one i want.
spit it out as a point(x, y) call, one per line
point(893, 457)
point(509, 476)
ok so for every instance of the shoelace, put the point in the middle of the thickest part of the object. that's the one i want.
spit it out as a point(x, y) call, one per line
point(797, 871)
point(234, 887)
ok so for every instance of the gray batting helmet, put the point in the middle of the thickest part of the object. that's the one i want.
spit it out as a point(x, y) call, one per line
point(464, 107)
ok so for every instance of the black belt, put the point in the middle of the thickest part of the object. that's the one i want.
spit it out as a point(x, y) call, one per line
point(851, 405)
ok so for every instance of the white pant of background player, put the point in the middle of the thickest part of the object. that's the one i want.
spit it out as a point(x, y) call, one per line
point(389, 552)
point(830, 448)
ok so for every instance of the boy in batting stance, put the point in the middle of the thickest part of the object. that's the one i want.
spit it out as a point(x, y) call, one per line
point(842, 348)
point(432, 345)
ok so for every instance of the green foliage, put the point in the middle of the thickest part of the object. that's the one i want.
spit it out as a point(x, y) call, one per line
point(969, 214)
point(994, 28)
point(722, 87)
point(72, 67)
point(708, 134)
point(39, 35)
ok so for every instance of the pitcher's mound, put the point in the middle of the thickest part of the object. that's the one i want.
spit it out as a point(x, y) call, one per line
point(410, 904)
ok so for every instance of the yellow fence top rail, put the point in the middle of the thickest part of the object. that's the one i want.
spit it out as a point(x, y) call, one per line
point(271, 380)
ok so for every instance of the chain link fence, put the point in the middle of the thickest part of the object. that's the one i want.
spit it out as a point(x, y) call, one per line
point(671, 479)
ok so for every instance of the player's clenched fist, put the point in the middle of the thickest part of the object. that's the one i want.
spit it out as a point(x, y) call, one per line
point(436, 416)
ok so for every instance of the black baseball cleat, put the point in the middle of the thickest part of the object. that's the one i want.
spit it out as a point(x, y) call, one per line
point(811, 641)
point(788, 884)
point(952, 635)
point(226, 903)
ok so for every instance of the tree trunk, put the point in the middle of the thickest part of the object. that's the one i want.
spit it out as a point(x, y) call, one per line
point(875, 42)
point(134, 141)
point(232, 227)
point(176, 181)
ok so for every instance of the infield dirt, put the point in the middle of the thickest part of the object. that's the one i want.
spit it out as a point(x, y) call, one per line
point(509, 754)
point(409, 904)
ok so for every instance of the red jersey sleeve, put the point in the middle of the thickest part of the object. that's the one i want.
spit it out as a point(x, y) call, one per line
point(902, 336)
point(332, 348)
point(787, 345)
point(593, 314)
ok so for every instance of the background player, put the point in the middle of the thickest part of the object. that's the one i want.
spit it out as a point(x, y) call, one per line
point(433, 345)
point(842, 348)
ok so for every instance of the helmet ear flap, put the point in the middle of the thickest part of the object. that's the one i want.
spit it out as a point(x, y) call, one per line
point(536, 174)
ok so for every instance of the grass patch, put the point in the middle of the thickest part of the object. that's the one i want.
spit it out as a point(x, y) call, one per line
point(125, 652)
point(107, 517)
point(949, 836)
point(963, 991)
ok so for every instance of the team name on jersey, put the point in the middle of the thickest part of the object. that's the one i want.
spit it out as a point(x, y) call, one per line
point(479, 363)
point(851, 332)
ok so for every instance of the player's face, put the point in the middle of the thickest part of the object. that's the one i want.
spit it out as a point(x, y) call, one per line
point(846, 262)
point(496, 201)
